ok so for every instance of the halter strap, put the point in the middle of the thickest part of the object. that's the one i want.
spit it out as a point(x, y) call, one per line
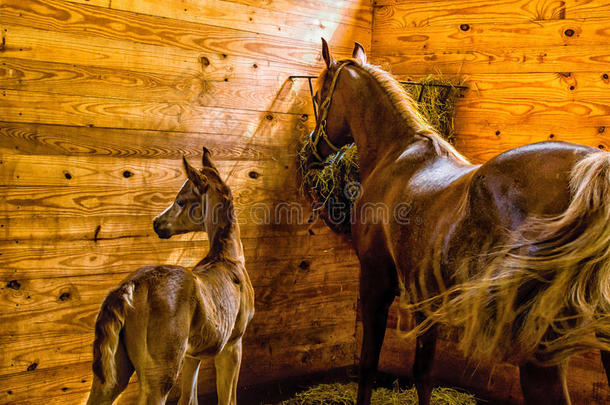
point(324, 107)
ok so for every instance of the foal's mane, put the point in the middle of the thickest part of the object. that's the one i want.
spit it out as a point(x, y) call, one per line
point(407, 108)
point(223, 233)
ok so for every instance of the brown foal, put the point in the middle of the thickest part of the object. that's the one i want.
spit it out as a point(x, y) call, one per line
point(514, 253)
point(164, 319)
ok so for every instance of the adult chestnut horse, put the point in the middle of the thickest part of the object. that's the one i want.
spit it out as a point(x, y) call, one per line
point(514, 253)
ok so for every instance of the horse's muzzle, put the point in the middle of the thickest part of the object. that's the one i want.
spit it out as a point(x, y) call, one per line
point(163, 233)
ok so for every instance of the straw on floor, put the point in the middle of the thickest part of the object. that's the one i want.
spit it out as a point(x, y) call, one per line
point(345, 394)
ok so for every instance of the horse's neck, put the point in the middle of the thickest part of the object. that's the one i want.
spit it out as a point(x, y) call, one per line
point(378, 128)
point(223, 232)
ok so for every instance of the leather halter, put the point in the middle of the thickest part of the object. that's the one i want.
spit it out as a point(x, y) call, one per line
point(322, 133)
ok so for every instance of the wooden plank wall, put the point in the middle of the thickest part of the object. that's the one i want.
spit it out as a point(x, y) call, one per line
point(99, 101)
point(538, 70)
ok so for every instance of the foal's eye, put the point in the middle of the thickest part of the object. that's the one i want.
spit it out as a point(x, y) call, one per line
point(180, 203)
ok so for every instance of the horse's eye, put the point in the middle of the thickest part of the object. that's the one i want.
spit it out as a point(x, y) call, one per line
point(180, 203)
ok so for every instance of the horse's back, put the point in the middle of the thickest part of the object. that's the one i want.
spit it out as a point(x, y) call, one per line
point(454, 209)
point(461, 208)
point(531, 180)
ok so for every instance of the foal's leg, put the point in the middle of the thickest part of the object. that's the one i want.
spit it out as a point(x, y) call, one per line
point(228, 363)
point(377, 291)
point(422, 367)
point(544, 385)
point(156, 381)
point(105, 395)
point(237, 366)
point(159, 366)
point(188, 392)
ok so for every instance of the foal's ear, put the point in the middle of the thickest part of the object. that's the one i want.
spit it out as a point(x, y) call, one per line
point(198, 179)
point(206, 158)
point(326, 54)
point(359, 53)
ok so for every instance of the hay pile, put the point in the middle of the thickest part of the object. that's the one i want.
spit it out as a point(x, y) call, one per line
point(334, 185)
point(345, 394)
point(437, 104)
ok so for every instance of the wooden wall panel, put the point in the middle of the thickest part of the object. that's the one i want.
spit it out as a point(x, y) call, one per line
point(537, 71)
point(67, 79)
point(99, 101)
point(400, 13)
point(492, 37)
point(487, 36)
point(35, 139)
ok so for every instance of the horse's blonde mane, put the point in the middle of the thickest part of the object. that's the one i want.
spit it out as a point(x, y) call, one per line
point(407, 108)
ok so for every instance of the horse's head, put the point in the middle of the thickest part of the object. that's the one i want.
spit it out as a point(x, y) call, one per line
point(332, 129)
point(191, 205)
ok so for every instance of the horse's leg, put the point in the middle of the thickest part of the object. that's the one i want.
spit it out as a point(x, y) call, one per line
point(377, 291)
point(105, 395)
point(605, 358)
point(544, 385)
point(188, 391)
point(606, 363)
point(227, 365)
point(422, 367)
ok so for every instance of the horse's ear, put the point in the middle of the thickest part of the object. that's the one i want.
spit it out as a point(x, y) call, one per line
point(193, 175)
point(206, 158)
point(326, 54)
point(359, 53)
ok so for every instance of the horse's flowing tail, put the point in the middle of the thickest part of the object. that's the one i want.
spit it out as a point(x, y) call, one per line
point(110, 321)
point(546, 295)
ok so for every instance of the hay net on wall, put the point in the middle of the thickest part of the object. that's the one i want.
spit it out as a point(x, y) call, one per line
point(333, 185)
